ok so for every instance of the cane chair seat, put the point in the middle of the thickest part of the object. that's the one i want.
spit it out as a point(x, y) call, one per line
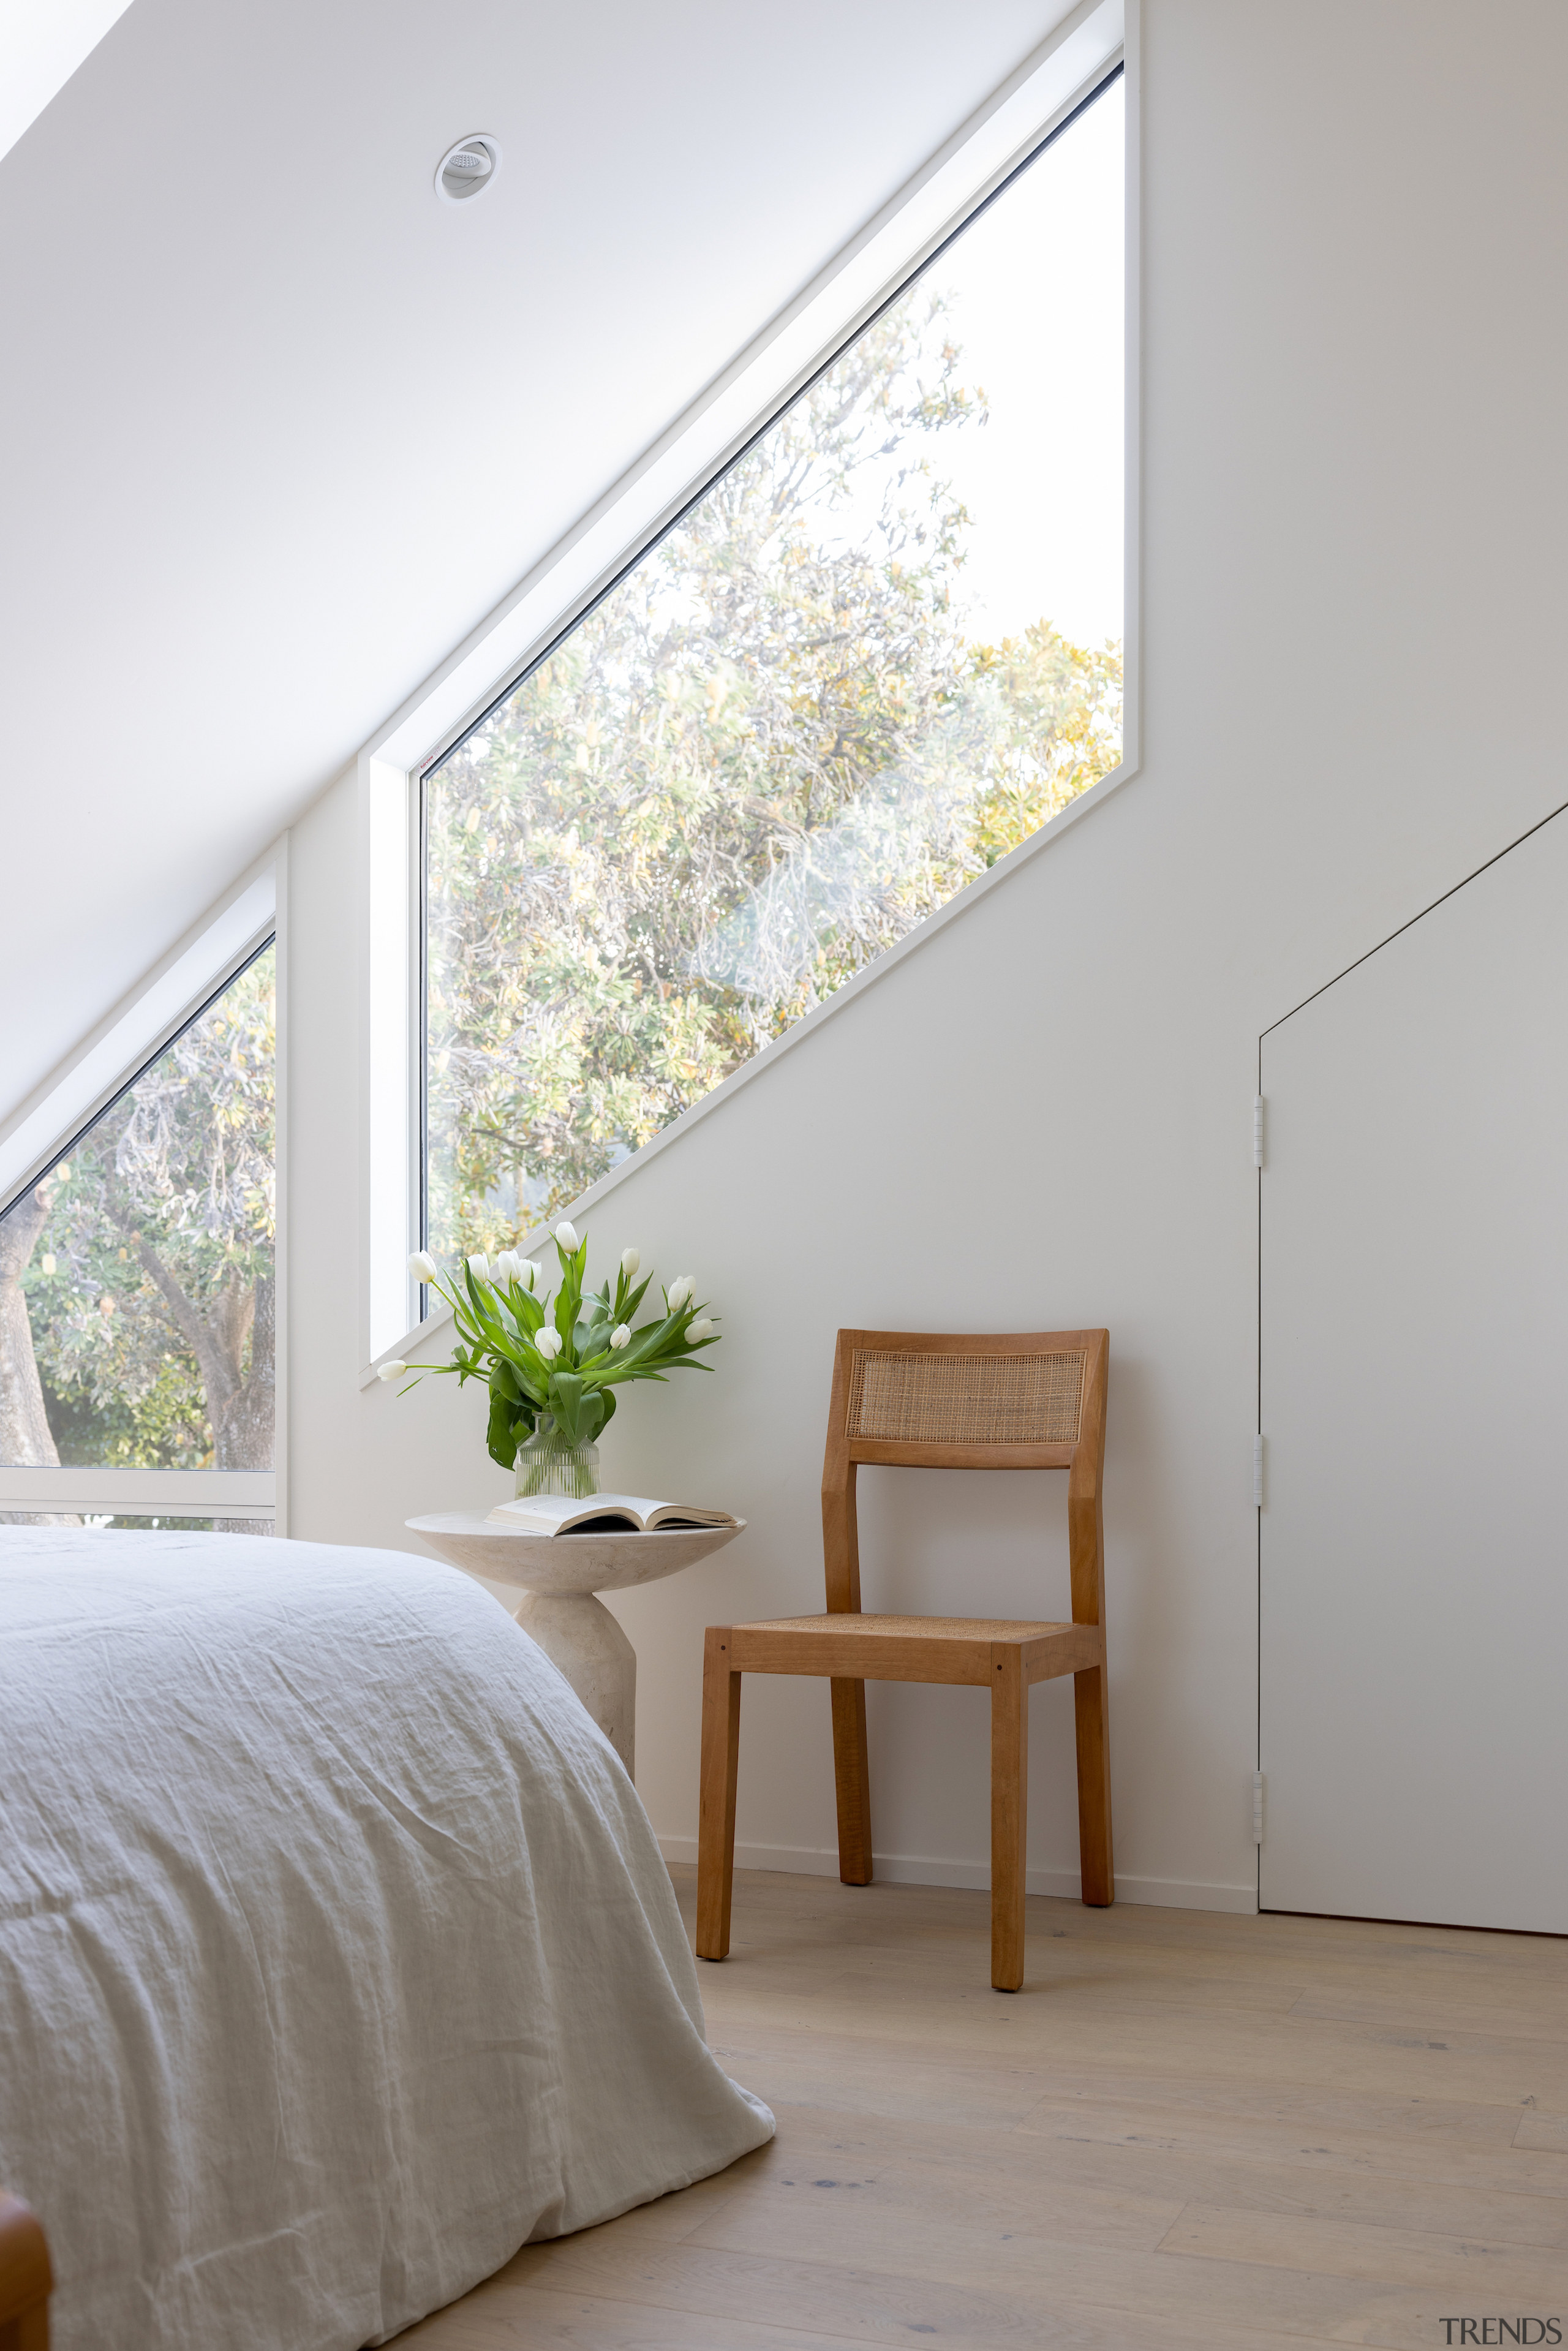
point(922, 1648)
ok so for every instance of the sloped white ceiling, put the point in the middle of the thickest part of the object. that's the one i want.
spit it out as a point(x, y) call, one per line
point(279, 428)
point(42, 42)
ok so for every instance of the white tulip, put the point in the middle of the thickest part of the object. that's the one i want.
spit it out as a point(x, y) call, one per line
point(622, 1335)
point(393, 1370)
point(528, 1273)
point(701, 1329)
point(630, 1262)
point(422, 1266)
point(549, 1343)
point(566, 1235)
point(681, 1293)
point(478, 1266)
point(507, 1266)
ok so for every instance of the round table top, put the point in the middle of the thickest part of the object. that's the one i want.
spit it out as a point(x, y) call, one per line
point(565, 1563)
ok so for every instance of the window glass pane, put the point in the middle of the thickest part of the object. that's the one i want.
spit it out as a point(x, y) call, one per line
point(880, 652)
point(97, 1519)
point(136, 1281)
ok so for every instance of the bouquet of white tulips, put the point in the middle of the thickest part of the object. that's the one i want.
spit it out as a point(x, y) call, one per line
point(555, 1369)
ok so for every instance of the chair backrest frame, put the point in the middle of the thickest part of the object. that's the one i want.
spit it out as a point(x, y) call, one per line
point(1084, 1459)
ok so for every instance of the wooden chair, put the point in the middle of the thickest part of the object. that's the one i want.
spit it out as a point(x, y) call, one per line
point(1028, 1400)
point(25, 2279)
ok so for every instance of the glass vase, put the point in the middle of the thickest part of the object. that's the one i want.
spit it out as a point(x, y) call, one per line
point(546, 1464)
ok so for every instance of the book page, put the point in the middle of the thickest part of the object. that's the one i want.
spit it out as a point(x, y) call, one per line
point(555, 1514)
point(640, 1507)
point(685, 1514)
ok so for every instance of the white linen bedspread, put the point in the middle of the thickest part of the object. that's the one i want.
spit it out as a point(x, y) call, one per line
point(337, 1956)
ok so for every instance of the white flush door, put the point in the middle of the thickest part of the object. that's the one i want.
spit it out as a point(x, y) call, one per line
point(1415, 1406)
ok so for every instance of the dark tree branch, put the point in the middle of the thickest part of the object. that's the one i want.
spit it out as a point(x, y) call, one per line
point(25, 1432)
point(240, 1406)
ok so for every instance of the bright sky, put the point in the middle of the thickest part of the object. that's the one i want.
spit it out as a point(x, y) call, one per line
point(1038, 286)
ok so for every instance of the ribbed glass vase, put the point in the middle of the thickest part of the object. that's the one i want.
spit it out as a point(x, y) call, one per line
point(546, 1464)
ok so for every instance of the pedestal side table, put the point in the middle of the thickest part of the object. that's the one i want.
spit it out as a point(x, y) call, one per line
point(559, 1575)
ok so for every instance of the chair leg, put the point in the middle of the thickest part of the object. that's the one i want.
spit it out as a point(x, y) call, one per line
point(1092, 1715)
point(716, 1816)
point(851, 1780)
point(1010, 1809)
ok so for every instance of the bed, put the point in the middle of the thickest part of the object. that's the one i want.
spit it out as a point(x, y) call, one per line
point(337, 1956)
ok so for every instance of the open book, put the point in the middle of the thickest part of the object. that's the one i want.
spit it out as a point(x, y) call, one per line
point(602, 1514)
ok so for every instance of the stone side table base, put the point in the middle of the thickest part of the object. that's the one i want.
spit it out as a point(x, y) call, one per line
point(584, 1643)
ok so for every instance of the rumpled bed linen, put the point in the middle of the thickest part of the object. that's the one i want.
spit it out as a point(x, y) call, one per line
point(337, 1956)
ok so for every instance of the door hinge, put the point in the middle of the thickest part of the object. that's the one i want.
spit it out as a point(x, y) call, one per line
point(1258, 1473)
point(1257, 1807)
point(1256, 1130)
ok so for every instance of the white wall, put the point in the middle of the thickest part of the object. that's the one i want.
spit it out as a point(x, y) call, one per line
point(1353, 616)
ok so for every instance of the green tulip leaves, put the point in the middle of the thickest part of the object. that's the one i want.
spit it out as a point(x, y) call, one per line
point(557, 1368)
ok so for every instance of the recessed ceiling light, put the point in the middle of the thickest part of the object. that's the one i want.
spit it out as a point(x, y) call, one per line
point(466, 170)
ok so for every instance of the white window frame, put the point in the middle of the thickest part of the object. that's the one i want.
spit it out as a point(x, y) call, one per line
point(1079, 54)
point(48, 1126)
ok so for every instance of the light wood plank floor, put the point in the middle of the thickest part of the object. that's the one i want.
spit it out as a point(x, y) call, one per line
point(1187, 2130)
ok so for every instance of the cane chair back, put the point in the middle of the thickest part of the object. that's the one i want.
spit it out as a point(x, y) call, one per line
point(934, 1400)
point(904, 1397)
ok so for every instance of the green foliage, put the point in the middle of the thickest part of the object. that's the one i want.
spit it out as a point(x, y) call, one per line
point(763, 758)
point(161, 1425)
point(181, 1170)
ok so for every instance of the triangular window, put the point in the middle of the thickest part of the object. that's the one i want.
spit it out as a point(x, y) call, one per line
point(880, 652)
point(137, 1303)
